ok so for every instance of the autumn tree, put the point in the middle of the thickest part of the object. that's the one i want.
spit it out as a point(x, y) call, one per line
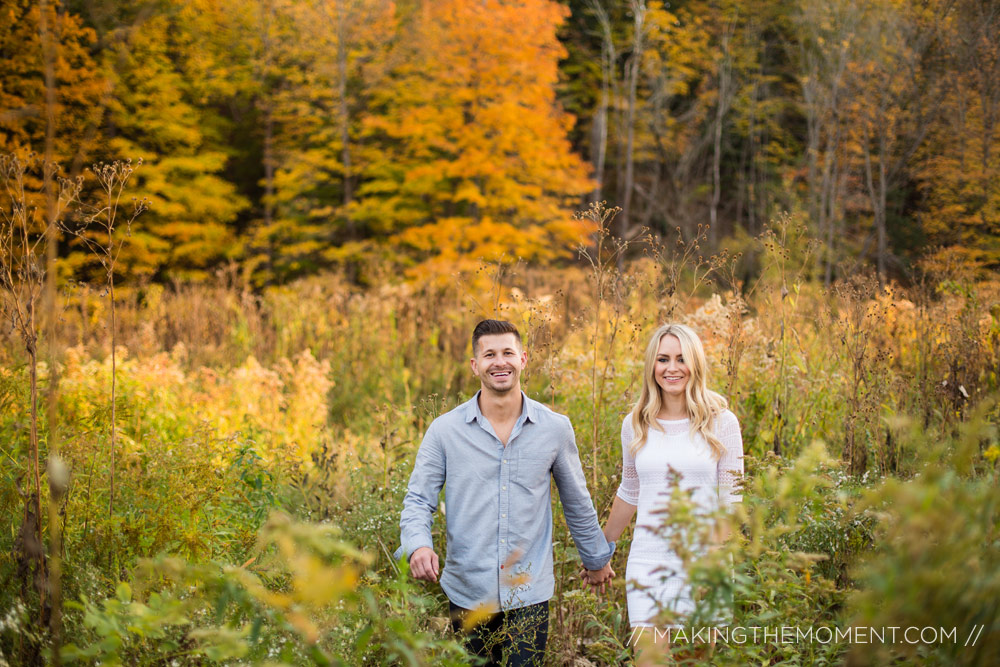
point(79, 83)
point(316, 96)
point(827, 44)
point(959, 168)
point(158, 111)
point(639, 64)
point(293, 136)
point(898, 86)
point(469, 155)
point(690, 102)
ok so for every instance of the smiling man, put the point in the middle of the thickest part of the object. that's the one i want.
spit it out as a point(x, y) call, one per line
point(494, 455)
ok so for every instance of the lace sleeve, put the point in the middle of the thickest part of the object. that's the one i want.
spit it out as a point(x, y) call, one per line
point(628, 490)
point(730, 466)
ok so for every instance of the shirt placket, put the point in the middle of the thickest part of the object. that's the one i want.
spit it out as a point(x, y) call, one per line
point(503, 536)
point(504, 508)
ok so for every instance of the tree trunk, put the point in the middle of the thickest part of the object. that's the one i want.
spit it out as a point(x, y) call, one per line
point(267, 107)
point(345, 136)
point(635, 66)
point(599, 139)
point(721, 109)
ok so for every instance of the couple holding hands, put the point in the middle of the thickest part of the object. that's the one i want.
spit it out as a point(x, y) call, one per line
point(495, 455)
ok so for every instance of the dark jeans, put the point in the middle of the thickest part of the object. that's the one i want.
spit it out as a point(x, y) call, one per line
point(515, 638)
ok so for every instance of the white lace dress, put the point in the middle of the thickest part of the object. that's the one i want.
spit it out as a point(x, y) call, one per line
point(655, 577)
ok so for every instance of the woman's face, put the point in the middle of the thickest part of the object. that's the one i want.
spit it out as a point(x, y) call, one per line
point(670, 371)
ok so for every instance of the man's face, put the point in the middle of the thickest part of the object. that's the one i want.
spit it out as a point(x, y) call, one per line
point(498, 363)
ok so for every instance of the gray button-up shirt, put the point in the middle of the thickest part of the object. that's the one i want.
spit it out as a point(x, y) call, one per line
point(498, 504)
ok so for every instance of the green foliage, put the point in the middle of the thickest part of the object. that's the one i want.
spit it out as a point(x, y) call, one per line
point(298, 605)
point(418, 139)
point(311, 399)
point(421, 138)
point(119, 620)
point(936, 558)
point(768, 569)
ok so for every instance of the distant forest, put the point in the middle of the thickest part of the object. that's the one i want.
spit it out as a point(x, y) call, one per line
point(420, 137)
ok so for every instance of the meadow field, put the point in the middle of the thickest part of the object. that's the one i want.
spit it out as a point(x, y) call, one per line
point(247, 507)
point(243, 245)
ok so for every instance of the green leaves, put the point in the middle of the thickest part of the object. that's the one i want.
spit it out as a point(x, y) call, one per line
point(122, 624)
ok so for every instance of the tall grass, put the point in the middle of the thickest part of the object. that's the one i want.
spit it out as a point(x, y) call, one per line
point(250, 422)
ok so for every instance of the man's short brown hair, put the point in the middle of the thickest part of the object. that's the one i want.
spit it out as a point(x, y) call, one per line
point(493, 328)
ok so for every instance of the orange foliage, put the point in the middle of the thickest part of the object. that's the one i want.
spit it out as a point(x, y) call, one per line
point(482, 168)
point(80, 85)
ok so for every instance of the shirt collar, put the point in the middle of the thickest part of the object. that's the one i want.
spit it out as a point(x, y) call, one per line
point(528, 410)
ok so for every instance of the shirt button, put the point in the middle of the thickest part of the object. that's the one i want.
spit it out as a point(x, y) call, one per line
point(503, 488)
point(503, 516)
point(502, 541)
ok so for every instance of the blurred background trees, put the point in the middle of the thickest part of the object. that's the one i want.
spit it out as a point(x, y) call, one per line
point(420, 136)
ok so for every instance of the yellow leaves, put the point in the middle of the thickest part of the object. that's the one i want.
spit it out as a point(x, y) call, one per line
point(459, 244)
point(286, 405)
point(80, 82)
point(304, 625)
point(518, 579)
point(482, 155)
point(475, 617)
point(314, 581)
point(468, 192)
point(322, 569)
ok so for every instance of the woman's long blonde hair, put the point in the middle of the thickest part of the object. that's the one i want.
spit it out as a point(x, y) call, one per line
point(703, 404)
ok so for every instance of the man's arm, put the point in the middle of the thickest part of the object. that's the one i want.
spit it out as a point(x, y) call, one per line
point(419, 506)
point(619, 519)
point(581, 517)
point(624, 506)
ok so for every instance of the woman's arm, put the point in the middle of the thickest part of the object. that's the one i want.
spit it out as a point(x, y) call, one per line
point(730, 471)
point(622, 511)
point(723, 529)
point(621, 516)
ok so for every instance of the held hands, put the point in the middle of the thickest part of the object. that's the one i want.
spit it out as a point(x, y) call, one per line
point(424, 564)
point(598, 580)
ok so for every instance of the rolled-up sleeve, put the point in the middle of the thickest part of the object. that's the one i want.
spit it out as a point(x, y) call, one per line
point(581, 517)
point(421, 498)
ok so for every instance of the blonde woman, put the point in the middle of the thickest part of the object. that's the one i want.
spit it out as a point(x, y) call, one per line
point(677, 424)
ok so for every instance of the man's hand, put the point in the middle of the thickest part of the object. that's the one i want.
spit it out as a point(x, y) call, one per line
point(424, 564)
point(599, 579)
